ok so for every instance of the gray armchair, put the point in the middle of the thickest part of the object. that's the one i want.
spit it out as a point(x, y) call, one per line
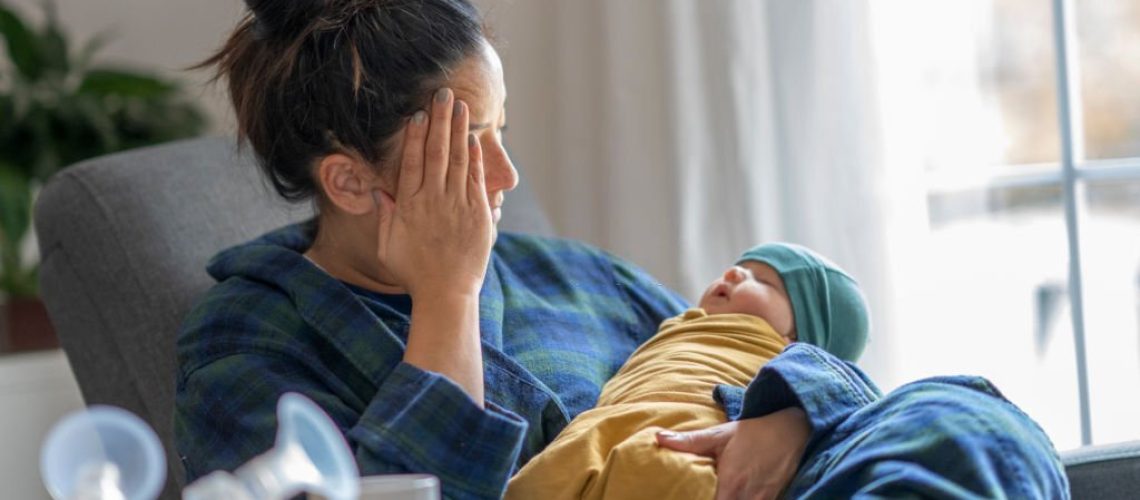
point(125, 240)
point(124, 243)
point(1104, 472)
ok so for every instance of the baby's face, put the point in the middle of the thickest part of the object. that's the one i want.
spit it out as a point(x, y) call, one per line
point(752, 288)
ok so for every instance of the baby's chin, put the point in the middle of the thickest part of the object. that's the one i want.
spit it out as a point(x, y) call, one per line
point(723, 307)
point(707, 305)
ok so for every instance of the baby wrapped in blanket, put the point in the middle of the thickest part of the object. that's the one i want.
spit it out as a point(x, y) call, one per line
point(775, 294)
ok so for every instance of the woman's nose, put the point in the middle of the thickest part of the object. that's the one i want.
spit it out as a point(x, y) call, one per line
point(499, 171)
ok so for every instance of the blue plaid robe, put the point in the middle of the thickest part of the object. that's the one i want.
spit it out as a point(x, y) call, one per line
point(557, 319)
point(943, 437)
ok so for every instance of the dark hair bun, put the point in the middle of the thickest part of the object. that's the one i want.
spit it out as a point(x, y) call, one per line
point(283, 17)
point(309, 78)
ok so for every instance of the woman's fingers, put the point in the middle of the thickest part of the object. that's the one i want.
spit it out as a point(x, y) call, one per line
point(755, 457)
point(412, 162)
point(438, 146)
point(457, 170)
point(446, 218)
point(706, 442)
point(476, 182)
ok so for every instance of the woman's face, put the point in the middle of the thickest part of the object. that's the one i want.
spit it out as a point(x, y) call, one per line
point(478, 82)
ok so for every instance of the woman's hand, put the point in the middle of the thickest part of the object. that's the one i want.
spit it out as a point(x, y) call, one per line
point(755, 457)
point(435, 239)
point(436, 235)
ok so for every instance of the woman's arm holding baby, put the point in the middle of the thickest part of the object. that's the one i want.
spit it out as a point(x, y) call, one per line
point(797, 398)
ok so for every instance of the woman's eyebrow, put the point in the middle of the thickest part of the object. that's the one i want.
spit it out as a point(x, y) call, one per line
point(480, 126)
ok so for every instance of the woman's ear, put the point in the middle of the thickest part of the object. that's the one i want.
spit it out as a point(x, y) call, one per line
point(348, 182)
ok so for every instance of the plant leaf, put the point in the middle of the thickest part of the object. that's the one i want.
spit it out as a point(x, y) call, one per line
point(8, 121)
point(89, 49)
point(23, 47)
point(43, 143)
point(95, 116)
point(15, 217)
point(15, 202)
point(53, 50)
point(124, 83)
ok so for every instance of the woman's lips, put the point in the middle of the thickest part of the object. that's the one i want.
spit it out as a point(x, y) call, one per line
point(496, 207)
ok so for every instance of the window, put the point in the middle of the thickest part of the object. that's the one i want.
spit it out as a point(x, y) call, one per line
point(1006, 154)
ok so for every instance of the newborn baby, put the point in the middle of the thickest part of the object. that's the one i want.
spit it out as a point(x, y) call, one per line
point(775, 294)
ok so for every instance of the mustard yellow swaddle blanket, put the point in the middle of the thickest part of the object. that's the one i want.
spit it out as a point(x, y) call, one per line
point(610, 451)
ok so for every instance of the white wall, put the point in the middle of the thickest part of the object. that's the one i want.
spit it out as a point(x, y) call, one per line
point(36, 390)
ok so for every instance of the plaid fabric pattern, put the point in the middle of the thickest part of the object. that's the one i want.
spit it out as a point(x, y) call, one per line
point(557, 319)
point(943, 437)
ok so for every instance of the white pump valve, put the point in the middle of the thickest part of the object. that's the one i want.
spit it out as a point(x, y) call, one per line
point(310, 455)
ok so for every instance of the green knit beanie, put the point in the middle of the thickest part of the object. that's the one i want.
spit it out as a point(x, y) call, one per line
point(829, 309)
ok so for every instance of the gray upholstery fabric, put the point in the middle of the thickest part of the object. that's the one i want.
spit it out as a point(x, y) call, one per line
point(1107, 472)
point(124, 242)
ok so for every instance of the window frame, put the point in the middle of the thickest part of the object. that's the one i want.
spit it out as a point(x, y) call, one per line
point(1071, 174)
point(1075, 170)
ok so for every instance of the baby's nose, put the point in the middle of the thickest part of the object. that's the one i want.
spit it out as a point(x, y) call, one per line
point(734, 274)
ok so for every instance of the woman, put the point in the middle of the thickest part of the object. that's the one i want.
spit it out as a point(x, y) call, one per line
point(435, 344)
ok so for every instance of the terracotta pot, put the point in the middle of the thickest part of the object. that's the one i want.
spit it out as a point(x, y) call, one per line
point(26, 326)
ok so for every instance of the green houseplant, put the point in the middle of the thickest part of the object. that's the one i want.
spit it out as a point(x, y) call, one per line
point(57, 108)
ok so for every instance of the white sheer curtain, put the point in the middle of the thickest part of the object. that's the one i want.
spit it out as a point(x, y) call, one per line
point(677, 133)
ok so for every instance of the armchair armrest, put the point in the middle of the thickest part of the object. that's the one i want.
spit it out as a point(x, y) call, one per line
point(1104, 472)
